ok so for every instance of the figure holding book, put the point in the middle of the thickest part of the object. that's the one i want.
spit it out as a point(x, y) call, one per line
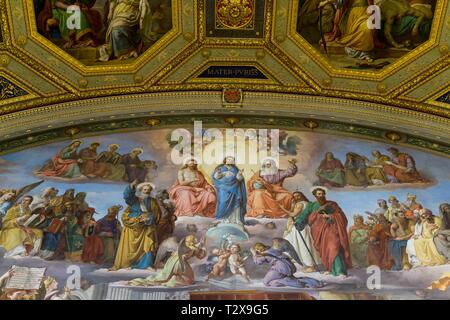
point(138, 242)
point(16, 237)
point(52, 233)
point(329, 231)
point(22, 283)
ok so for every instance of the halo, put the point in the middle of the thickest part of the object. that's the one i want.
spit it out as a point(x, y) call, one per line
point(77, 140)
point(114, 145)
point(230, 155)
point(46, 190)
point(143, 184)
point(138, 149)
point(271, 158)
point(189, 158)
point(318, 187)
point(96, 142)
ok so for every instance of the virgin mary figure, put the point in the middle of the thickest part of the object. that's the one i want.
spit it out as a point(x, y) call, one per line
point(231, 195)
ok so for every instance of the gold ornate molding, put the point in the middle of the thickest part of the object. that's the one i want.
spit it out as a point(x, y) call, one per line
point(130, 79)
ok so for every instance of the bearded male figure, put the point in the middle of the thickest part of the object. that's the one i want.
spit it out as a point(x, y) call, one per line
point(138, 242)
point(191, 193)
point(265, 190)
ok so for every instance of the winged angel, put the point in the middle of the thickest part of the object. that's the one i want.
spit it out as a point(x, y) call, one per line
point(129, 30)
point(281, 257)
point(177, 270)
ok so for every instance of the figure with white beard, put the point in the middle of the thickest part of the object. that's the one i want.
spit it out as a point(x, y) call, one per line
point(138, 242)
point(266, 192)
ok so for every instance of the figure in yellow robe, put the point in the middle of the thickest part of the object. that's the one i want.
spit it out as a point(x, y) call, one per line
point(14, 237)
point(421, 248)
point(177, 270)
point(375, 172)
point(351, 28)
point(426, 250)
point(138, 242)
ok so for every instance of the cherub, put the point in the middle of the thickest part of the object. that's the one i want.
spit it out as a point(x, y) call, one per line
point(236, 261)
point(221, 265)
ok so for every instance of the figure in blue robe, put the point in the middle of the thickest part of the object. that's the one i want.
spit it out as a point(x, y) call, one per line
point(5, 205)
point(231, 194)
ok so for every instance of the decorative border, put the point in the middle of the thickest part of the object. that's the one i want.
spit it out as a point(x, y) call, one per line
point(312, 87)
point(30, 124)
point(220, 120)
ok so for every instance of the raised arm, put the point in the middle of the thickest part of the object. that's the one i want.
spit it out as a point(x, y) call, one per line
point(290, 171)
point(129, 194)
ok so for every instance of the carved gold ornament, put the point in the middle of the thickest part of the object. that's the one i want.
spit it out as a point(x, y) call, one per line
point(235, 14)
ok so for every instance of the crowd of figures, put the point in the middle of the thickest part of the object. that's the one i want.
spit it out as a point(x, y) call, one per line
point(57, 227)
point(317, 236)
point(72, 163)
point(360, 171)
point(401, 236)
point(122, 30)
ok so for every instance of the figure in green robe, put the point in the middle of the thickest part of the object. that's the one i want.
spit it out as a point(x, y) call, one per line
point(73, 235)
point(359, 237)
point(331, 172)
point(176, 271)
point(84, 34)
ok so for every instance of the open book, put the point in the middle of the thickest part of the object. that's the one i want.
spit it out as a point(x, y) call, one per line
point(33, 221)
point(25, 278)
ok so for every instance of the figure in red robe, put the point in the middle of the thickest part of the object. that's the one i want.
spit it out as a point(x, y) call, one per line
point(402, 168)
point(90, 167)
point(93, 245)
point(65, 163)
point(329, 232)
point(191, 193)
point(378, 248)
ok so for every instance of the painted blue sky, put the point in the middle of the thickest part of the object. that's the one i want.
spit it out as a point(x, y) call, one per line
point(17, 169)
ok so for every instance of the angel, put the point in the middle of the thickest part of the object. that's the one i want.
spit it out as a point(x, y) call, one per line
point(220, 266)
point(281, 257)
point(236, 261)
point(229, 254)
point(177, 270)
point(288, 144)
point(129, 29)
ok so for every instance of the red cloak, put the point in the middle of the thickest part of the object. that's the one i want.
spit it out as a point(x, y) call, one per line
point(330, 238)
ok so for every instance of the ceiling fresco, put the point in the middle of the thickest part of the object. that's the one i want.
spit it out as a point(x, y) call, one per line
point(190, 36)
point(374, 37)
point(97, 33)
